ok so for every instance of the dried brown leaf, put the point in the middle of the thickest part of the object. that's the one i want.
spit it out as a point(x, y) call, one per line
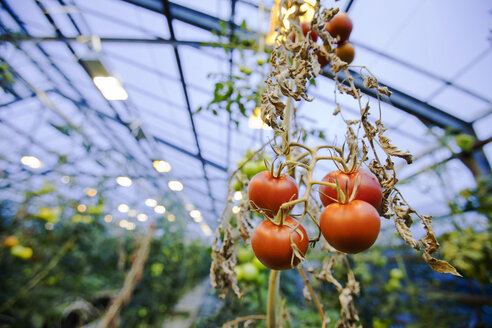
point(430, 242)
point(392, 150)
point(439, 265)
point(327, 274)
point(406, 234)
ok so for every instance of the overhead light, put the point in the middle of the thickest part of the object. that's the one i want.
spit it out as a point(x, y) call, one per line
point(123, 223)
point(159, 209)
point(130, 226)
point(189, 207)
point(236, 209)
point(150, 202)
point(91, 192)
point(196, 215)
point(124, 181)
point(238, 195)
point(132, 213)
point(255, 122)
point(142, 217)
point(65, 179)
point(307, 8)
point(175, 185)
point(108, 218)
point(206, 229)
point(81, 208)
point(171, 218)
point(109, 86)
point(123, 208)
point(162, 166)
point(31, 161)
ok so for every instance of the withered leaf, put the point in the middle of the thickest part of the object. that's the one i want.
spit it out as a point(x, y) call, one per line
point(430, 242)
point(439, 265)
point(392, 150)
point(406, 234)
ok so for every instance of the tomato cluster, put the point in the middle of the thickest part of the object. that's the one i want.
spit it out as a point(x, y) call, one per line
point(271, 242)
point(350, 224)
point(353, 226)
point(339, 28)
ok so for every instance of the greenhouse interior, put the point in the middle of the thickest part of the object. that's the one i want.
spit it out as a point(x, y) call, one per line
point(245, 163)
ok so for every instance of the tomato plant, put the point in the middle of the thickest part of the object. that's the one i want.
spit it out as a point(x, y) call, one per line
point(267, 193)
point(346, 52)
point(340, 27)
point(352, 227)
point(272, 245)
point(369, 189)
point(306, 27)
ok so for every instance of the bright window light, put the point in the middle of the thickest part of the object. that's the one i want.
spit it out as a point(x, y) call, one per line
point(206, 229)
point(123, 208)
point(255, 121)
point(124, 181)
point(238, 195)
point(150, 202)
point(195, 214)
point(108, 218)
point(132, 213)
point(81, 208)
point(159, 209)
point(189, 207)
point(236, 209)
point(130, 226)
point(91, 192)
point(162, 166)
point(123, 223)
point(65, 179)
point(142, 217)
point(31, 161)
point(171, 218)
point(110, 88)
point(175, 185)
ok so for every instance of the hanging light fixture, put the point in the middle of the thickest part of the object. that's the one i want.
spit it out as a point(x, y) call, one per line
point(108, 85)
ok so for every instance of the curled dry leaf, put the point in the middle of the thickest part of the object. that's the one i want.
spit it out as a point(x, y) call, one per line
point(306, 294)
point(439, 265)
point(326, 273)
point(390, 149)
point(406, 234)
point(222, 274)
point(430, 242)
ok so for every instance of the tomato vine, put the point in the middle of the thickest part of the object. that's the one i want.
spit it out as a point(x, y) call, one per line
point(294, 64)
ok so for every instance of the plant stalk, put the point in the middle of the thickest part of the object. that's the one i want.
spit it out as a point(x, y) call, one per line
point(273, 285)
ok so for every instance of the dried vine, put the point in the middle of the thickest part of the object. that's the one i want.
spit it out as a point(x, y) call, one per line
point(293, 65)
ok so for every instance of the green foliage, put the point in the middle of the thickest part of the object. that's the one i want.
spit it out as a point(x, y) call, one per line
point(75, 257)
point(470, 252)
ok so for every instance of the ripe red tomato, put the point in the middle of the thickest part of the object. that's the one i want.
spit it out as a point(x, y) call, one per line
point(340, 26)
point(267, 193)
point(346, 52)
point(350, 228)
point(271, 243)
point(305, 27)
point(369, 187)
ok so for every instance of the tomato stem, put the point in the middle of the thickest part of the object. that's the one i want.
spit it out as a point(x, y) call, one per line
point(273, 284)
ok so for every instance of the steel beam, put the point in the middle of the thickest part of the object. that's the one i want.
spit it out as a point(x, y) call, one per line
point(428, 114)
